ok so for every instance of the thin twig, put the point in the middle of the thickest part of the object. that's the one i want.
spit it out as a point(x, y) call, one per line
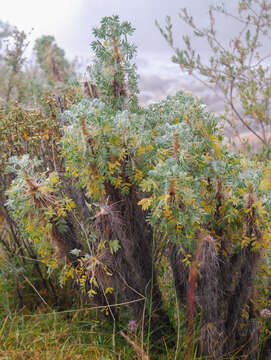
point(179, 325)
point(85, 309)
point(140, 353)
point(33, 287)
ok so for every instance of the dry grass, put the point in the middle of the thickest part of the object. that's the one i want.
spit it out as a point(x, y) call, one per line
point(55, 337)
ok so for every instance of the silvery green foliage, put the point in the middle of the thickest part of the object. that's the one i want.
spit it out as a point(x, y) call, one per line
point(112, 71)
point(22, 167)
point(174, 144)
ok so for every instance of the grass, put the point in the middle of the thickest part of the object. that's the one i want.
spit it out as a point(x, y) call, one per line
point(78, 335)
point(85, 333)
point(56, 337)
point(45, 334)
point(74, 334)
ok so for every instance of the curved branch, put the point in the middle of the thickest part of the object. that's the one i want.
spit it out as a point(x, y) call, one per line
point(241, 118)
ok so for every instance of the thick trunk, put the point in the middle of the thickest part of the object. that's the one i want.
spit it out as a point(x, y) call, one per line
point(220, 287)
point(180, 272)
point(133, 274)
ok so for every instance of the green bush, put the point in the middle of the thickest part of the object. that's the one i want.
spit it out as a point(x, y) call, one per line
point(129, 195)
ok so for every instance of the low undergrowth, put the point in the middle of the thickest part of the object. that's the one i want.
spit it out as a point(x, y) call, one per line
point(72, 334)
point(58, 336)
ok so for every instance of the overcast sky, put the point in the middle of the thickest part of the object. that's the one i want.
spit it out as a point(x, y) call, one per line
point(71, 23)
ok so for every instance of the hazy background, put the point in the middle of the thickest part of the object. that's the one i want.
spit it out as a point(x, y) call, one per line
point(71, 23)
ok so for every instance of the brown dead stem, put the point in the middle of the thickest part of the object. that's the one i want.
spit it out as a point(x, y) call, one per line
point(243, 291)
point(133, 274)
point(203, 291)
point(140, 353)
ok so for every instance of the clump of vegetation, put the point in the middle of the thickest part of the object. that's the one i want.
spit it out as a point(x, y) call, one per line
point(51, 60)
point(117, 200)
point(12, 61)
